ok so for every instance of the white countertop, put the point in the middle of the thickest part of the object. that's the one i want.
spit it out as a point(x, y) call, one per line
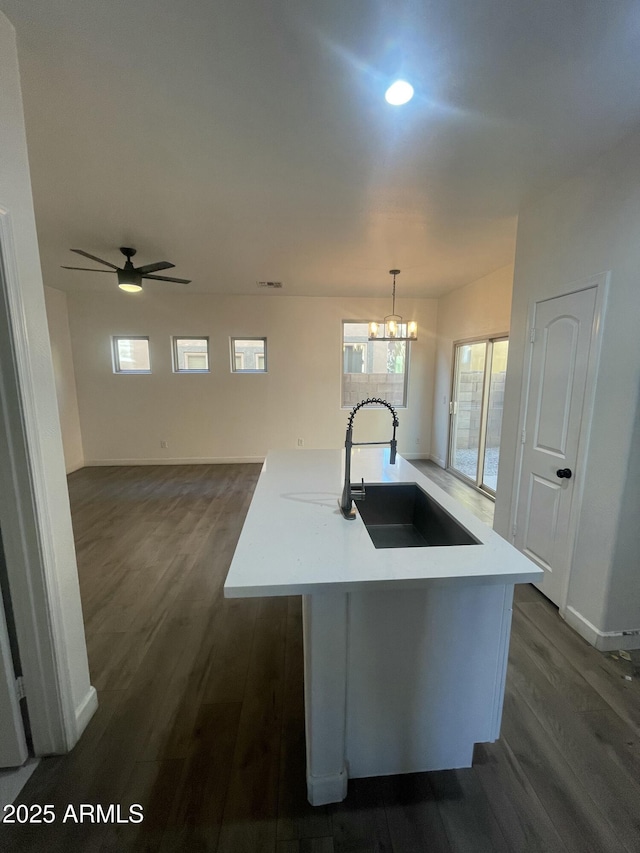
point(296, 541)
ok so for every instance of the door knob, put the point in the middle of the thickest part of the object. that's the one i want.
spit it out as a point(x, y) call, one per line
point(564, 473)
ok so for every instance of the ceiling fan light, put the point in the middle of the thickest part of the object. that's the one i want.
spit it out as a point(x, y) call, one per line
point(129, 280)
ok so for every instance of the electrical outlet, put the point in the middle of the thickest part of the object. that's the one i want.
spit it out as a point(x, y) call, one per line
point(301, 442)
point(163, 445)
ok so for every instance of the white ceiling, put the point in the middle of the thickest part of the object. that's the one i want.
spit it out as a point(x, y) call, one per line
point(249, 139)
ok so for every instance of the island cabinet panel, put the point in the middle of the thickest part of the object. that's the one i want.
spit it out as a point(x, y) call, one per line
point(425, 676)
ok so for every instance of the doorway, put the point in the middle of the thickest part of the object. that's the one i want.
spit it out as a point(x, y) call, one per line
point(477, 399)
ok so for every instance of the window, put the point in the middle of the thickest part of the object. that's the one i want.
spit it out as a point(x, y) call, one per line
point(372, 368)
point(131, 355)
point(191, 355)
point(249, 355)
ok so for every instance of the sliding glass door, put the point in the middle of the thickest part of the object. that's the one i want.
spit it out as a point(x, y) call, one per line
point(468, 384)
point(476, 410)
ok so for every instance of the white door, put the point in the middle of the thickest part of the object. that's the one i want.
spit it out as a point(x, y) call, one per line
point(554, 416)
point(13, 747)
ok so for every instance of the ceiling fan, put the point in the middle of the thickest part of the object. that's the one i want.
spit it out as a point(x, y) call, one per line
point(130, 277)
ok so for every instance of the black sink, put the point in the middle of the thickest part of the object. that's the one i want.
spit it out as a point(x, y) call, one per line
point(402, 515)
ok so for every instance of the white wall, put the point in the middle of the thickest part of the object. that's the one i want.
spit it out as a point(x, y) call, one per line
point(38, 459)
point(63, 370)
point(225, 416)
point(587, 226)
point(479, 309)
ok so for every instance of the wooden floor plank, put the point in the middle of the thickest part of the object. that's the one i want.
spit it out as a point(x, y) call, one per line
point(233, 631)
point(413, 817)
point(469, 821)
point(176, 709)
point(360, 822)
point(616, 793)
point(616, 738)
point(563, 677)
point(151, 790)
point(580, 823)
point(522, 818)
point(196, 817)
point(306, 845)
point(527, 592)
point(251, 810)
point(596, 668)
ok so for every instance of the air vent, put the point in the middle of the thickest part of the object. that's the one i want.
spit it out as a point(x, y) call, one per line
point(274, 285)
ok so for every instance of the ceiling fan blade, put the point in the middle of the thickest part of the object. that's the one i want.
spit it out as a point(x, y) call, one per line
point(93, 258)
point(160, 265)
point(165, 278)
point(86, 269)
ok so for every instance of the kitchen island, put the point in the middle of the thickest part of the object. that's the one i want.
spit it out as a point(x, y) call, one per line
point(405, 648)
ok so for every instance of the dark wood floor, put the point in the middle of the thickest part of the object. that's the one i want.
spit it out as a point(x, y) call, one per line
point(201, 707)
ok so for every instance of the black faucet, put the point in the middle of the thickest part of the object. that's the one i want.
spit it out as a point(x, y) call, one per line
point(348, 494)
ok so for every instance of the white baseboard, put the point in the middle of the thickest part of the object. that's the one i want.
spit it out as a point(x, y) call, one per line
point(85, 710)
point(441, 462)
point(410, 456)
point(75, 466)
point(604, 641)
point(182, 460)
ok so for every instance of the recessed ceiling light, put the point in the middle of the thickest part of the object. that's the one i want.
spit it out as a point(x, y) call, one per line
point(399, 93)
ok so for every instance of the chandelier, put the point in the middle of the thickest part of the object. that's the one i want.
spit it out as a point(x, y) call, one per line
point(393, 327)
